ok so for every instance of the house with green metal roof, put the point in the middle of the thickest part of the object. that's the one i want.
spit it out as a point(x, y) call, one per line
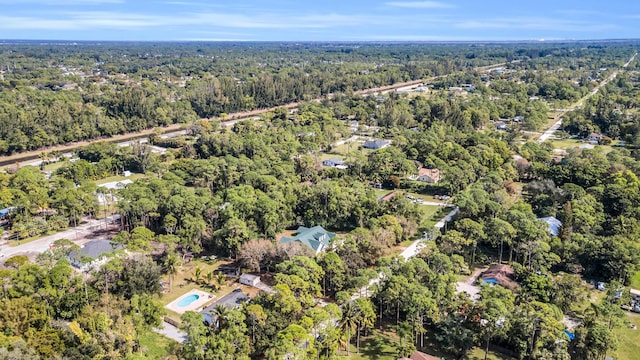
point(316, 238)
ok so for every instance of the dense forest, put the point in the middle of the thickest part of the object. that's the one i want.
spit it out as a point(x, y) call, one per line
point(232, 193)
point(56, 94)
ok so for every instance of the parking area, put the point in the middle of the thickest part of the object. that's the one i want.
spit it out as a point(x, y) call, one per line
point(230, 301)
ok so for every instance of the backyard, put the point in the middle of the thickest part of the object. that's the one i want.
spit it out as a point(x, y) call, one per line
point(628, 339)
point(184, 281)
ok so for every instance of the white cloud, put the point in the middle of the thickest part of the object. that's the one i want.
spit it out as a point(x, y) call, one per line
point(420, 4)
point(80, 20)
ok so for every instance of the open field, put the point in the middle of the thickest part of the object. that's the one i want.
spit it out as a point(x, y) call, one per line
point(154, 345)
point(628, 340)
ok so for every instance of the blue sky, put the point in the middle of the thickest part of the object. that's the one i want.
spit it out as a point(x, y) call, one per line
point(318, 20)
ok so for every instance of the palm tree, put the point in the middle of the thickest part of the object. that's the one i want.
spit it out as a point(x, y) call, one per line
point(221, 312)
point(209, 278)
point(348, 323)
point(171, 263)
point(220, 279)
point(365, 317)
point(197, 274)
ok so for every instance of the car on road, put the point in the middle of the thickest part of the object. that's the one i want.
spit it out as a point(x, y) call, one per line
point(2, 254)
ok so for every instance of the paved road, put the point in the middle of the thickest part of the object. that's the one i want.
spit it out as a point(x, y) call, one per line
point(550, 131)
point(411, 251)
point(547, 134)
point(80, 235)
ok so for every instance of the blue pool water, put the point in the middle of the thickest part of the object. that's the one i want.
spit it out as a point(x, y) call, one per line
point(188, 300)
point(490, 281)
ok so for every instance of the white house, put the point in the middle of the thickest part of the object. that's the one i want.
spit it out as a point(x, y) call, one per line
point(335, 162)
point(430, 176)
point(594, 138)
point(248, 279)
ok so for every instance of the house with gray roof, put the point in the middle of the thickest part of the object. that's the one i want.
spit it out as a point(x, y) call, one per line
point(376, 144)
point(91, 252)
point(315, 238)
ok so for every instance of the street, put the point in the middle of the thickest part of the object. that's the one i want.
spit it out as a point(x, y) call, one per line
point(551, 130)
point(90, 230)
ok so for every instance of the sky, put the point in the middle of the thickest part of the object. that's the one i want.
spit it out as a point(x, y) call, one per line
point(319, 20)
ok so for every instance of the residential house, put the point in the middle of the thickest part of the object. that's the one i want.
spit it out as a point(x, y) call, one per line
point(430, 176)
point(248, 279)
point(92, 253)
point(468, 87)
point(315, 238)
point(5, 212)
point(387, 197)
point(594, 138)
point(376, 144)
point(335, 162)
point(500, 275)
point(114, 185)
point(554, 225)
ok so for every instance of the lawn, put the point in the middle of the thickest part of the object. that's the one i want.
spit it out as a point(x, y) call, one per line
point(56, 165)
point(429, 212)
point(628, 340)
point(347, 148)
point(109, 179)
point(378, 346)
point(635, 281)
point(433, 214)
point(156, 346)
point(383, 346)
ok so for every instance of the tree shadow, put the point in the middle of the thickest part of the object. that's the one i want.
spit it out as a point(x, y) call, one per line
point(378, 347)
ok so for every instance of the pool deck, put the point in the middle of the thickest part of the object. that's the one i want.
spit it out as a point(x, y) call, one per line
point(197, 305)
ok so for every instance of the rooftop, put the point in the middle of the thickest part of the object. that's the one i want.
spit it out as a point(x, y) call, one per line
point(96, 248)
point(317, 238)
point(554, 225)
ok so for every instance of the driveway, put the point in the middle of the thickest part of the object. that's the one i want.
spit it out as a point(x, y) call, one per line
point(171, 332)
point(469, 286)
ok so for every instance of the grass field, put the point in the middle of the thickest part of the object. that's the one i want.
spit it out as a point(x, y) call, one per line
point(628, 340)
point(156, 346)
point(635, 281)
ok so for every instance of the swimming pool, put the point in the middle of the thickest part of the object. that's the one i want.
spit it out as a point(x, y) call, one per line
point(188, 300)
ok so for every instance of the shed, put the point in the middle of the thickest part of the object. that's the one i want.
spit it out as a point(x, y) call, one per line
point(248, 279)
